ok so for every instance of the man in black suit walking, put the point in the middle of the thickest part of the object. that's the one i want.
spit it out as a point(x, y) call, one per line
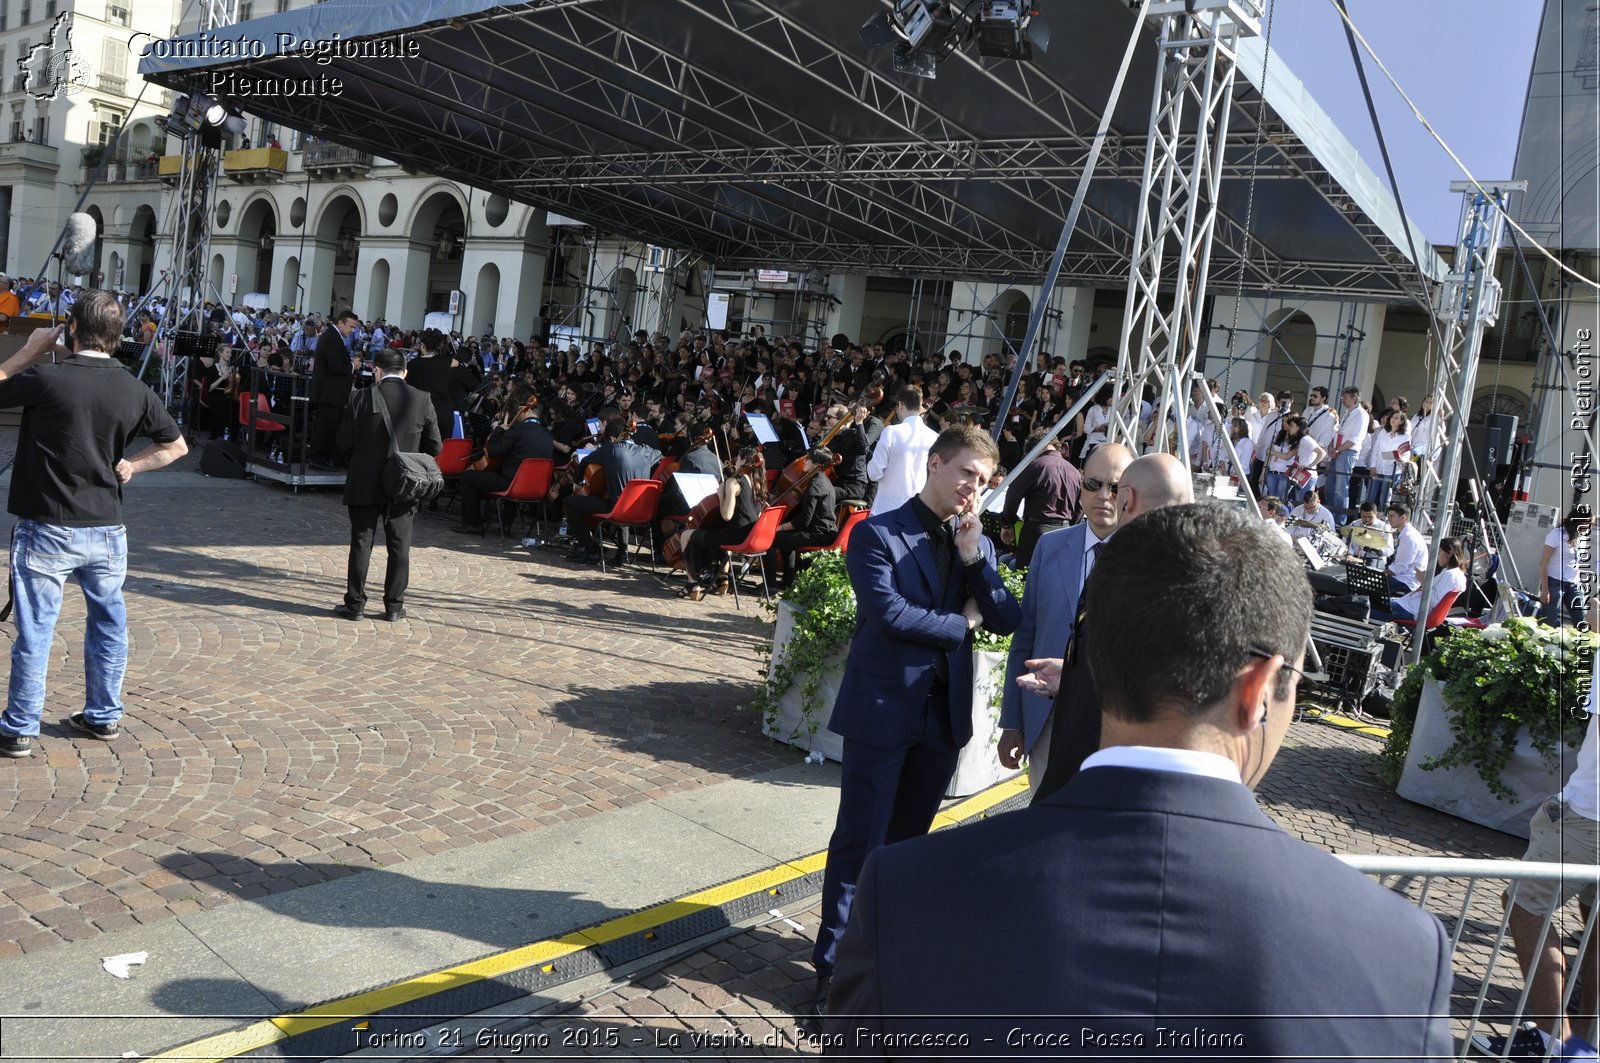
point(332, 373)
point(416, 429)
point(1151, 909)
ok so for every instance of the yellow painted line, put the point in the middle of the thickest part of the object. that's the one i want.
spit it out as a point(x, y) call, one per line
point(1348, 724)
point(219, 1048)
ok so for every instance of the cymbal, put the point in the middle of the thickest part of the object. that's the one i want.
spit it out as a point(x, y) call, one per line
point(1368, 538)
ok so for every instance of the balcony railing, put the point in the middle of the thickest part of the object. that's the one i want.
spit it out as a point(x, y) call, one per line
point(335, 157)
point(249, 164)
point(117, 85)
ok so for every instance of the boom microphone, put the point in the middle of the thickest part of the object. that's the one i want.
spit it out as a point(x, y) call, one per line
point(77, 249)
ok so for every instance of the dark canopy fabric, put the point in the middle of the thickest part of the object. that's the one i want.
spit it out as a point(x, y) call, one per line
point(761, 133)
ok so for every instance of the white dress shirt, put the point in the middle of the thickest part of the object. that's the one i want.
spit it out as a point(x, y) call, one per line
point(1444, 581)
point(1410, 555)
point(1323, 516)
point(1322, 424)
point(899, 463)
point(1384, 463)
point(1353, 428)
point(1164, 758)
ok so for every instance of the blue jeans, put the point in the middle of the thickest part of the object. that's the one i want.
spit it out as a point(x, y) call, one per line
point(1566, 604)
point(1382, 484)
point(1277, 484)
point(42, 557)
point(1339, 484)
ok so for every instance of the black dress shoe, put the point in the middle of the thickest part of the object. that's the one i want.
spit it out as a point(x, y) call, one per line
point(815, 1013)
point(344, 612)
point(397, 613)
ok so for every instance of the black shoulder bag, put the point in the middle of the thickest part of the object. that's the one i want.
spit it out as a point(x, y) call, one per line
point(407, 476)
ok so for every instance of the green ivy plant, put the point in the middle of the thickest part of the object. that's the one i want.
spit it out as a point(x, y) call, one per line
point(1497, 683)
point(826, 623)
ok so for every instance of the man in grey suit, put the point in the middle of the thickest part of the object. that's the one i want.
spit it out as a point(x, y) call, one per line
point(1062, 561)
point(1151, 910)
point(416, 429)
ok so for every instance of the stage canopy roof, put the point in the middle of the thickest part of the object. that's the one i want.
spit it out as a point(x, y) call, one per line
point(760, 133)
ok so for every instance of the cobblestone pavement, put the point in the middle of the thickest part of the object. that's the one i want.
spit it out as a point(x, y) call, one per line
point(269, 745)
point(740, 997)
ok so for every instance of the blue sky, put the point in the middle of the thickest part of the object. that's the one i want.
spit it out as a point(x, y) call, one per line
point(1464, 62)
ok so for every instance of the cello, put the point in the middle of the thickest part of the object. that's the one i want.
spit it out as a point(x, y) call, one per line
point(707, 513)
point(793, 479)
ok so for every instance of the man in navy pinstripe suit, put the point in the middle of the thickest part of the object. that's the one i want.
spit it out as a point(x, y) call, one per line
point(924, 580)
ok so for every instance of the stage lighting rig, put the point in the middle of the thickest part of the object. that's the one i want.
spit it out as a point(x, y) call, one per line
point(925, 32)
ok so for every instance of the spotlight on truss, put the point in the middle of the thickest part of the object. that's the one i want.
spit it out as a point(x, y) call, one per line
point(924, 32)
point(1011, 29)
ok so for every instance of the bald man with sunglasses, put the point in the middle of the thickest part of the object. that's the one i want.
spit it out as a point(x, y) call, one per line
point(1151, 482)
point(1062, 561)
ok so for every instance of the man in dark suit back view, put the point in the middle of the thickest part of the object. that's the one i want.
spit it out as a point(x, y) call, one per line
point(1151, 909)
point(332, 374)
point(416, 429)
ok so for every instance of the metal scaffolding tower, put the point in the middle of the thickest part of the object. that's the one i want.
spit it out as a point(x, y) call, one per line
point(1178, 206)
point(191, 240)
point(1468, 306)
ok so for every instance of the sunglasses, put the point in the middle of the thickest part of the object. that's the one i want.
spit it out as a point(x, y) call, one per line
point(1255, 651)
point(1094, 487)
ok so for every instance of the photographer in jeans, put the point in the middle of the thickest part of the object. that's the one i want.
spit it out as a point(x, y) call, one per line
point(78, 417)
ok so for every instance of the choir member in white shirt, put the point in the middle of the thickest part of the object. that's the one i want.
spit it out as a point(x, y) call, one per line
point(1346, 450)
point(1391, 445)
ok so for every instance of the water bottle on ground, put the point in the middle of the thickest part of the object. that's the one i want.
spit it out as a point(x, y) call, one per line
point(562, 531)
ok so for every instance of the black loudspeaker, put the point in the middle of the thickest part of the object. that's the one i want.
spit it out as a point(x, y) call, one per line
point(1490, 443)
point(223, 459)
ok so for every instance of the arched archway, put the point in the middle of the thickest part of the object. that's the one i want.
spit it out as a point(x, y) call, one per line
point(214, 292)
point(96, 276)
point(258, 231)
point(292, 293)
point(114, 265)
point(339, 227)
point(378, 291)
point(142, 248)
point(440, 223)
point(485, 300)
point(1290, 348)
point(1011, 318)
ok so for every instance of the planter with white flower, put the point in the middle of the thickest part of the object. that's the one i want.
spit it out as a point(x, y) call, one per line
point(1489, 724)
point(816, 620)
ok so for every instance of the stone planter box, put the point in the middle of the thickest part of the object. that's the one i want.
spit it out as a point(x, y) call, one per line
point(978, 766)
point(1459, 791)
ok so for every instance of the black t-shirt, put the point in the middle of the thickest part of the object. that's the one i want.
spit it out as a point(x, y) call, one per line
point(78, 418)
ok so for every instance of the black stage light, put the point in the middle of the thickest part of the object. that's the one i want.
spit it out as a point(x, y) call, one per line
point(1010, 29)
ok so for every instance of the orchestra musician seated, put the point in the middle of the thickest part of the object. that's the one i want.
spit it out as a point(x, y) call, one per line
point(1310, 515)
point(700, 459)
point(1274, 512)
point(517, 435)
point(1448, 578)
point(811, 521)
point(740, 500)
point(1370, 536)
point(850, 446)
point(619, 459)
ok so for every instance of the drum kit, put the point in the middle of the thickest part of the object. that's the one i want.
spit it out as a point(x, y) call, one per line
point(1324, 543)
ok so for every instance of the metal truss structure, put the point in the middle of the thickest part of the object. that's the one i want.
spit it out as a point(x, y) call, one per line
point(1179, 211)
point(1468, 306)
point(191, 240)
point(757, 133)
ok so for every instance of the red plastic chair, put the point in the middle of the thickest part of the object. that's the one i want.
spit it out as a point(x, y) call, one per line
point(1439, 612)
point(634, 508)
point(756, 545)
point(262, 424)
point(530, 483)
point(841, 542)
point(452, 460)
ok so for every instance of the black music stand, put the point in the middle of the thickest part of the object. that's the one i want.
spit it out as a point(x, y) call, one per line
point(1364, 579)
